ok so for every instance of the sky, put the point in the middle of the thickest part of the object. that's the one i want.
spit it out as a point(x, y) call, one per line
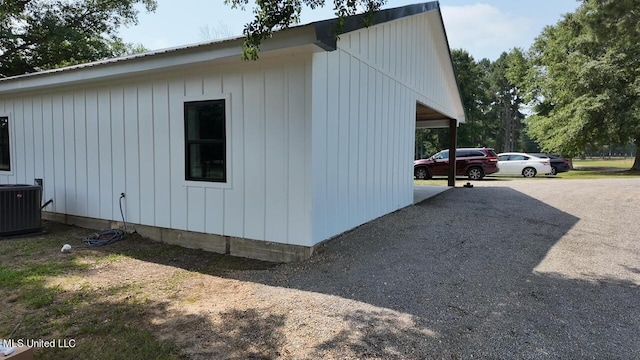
point(485, 28)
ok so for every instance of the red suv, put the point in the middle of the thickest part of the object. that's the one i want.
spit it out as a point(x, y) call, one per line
point(472, 162)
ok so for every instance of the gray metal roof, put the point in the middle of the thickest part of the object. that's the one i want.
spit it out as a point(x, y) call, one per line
point(325, 38)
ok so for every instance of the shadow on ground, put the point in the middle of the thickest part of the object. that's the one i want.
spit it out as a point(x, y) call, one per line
point(460, 266)
point(463, 265)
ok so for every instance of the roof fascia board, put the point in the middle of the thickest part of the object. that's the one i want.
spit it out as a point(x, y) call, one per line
point(158, 61)
point(112, 70)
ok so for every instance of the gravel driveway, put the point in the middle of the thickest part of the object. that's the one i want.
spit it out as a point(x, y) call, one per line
point(525, 269)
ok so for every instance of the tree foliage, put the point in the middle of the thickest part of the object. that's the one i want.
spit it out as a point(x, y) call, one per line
point(506, 73)
point(271, 15)
point(43, 34)
point(585, 79)
point(473, 84)
point(492, 99)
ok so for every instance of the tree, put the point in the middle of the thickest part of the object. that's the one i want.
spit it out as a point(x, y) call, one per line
point(492, 102)
point(506, 73)
point(585, 81)
point(430, 141)
point(43, 34)
point(473, 83)
point(273, 15)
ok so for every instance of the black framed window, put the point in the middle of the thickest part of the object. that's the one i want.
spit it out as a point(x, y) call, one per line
point(5, 156)
point(205, 140)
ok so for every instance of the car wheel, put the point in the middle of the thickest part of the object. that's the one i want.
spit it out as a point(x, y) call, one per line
point(421, 173)
point(475, 173)
point(554, 170)
point(529, 172)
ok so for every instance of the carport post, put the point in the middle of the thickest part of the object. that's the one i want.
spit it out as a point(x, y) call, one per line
point(453, 144)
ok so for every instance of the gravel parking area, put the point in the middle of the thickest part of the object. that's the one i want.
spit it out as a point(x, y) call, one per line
point(521, 269)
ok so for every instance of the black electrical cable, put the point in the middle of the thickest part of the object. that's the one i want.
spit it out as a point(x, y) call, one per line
point(105, 237)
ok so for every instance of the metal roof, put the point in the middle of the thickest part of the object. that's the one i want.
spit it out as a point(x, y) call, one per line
point(325, 38)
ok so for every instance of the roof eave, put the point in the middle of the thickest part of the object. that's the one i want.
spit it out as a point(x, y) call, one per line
point(322, 34)
point(158, 61)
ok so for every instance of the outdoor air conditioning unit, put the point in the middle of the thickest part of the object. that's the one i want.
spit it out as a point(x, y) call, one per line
point(20, 209)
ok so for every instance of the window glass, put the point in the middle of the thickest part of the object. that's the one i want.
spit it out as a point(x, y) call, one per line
point(205, 140)
point(503, 157)
point(518, 157)
point(475, 153)
point(442, 155)
point(5, 156)
point(462, 153)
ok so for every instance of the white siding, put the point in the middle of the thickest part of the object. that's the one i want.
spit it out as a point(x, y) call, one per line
point(317, 144)
point(364, 110)
point(90, 144)
point(233, 210)
point(412, 50)
point(93, 155)
point(119, 158)
point(57, 119)
point(276, 146)
point(179, 194)
point(80, 151)
point(362, 143)
point(254, 165)
point(132, 211)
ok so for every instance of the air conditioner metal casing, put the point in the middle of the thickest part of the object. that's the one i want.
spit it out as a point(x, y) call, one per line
point(20, 211)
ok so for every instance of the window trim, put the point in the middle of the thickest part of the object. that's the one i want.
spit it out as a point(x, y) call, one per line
point(227, 129)
point(12, 151)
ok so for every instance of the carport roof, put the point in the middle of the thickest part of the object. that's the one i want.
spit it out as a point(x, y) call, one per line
point(427, 117)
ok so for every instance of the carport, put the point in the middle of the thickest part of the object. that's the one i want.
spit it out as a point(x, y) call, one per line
point(429, 118)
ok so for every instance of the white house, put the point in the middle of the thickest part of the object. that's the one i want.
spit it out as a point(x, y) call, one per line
point(261, 159)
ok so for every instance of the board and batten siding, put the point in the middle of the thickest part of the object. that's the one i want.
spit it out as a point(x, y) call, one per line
point(92, 143)
point(412, 50)
point(364, 118)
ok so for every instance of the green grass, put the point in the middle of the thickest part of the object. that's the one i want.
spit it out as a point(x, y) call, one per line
point(50, 295)
point(601, 169)
point(112, 258)
point(597, 174)
point(616, 163)
point(102, 328)
point(32, 273)
point(105, 330)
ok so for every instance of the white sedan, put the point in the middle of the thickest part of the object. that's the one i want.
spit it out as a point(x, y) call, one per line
point(512, 163)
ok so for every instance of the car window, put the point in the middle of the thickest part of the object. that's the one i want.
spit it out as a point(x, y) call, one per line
point(503, 157)
point(462, 153)
point(476, 153)
point(518, 157)
point(442, 155)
